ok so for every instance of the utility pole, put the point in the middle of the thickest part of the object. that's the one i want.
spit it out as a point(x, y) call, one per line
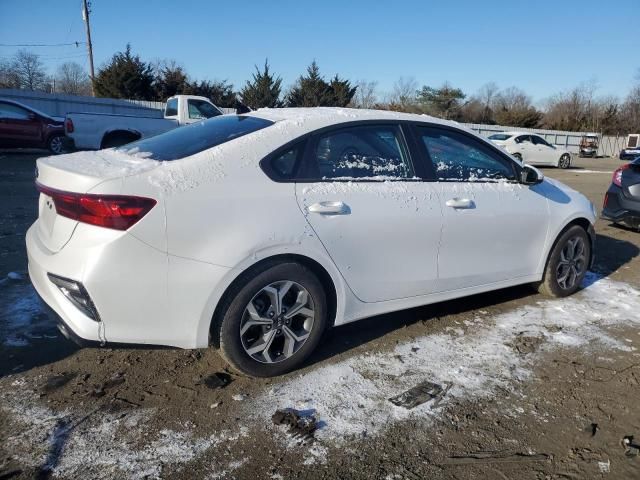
point(85, 17)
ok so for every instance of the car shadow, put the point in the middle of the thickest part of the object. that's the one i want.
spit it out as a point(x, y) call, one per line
point(615, 254)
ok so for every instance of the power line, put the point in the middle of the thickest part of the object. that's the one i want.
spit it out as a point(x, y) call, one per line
point(77, 44)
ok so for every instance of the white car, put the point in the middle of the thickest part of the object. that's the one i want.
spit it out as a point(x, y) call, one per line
point(532, 149)
point(254, 233)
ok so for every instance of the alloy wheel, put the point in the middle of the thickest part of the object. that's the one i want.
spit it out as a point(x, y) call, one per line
point(55, 145)
point(277, 322)
point(565, 161)
point(572, 263)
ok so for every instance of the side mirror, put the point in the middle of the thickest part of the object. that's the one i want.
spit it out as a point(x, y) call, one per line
point(531, 176)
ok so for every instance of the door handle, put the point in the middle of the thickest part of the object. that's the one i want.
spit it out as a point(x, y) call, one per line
point(329, 208)
point(460, 203)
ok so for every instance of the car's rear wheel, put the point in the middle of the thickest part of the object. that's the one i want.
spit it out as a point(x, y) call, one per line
point(273, 322)
point(567, 264)
point(565, 161)
point(55, 144)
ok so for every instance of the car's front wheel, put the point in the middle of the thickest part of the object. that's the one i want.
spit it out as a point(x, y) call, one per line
point(567, 264)
point(565, 161)
point(273, 321)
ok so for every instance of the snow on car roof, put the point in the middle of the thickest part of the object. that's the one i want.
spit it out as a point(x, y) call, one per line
point(318, 117)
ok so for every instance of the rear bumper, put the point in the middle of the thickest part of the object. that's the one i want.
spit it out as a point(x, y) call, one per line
point(619, 208)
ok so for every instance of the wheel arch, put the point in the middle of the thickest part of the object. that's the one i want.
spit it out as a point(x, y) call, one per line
point(328, 282)
point(581, 222)
point(133, 134)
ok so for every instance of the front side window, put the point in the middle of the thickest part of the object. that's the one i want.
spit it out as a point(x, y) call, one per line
point(13, 112)
point(539, 141)
point(369, 151)
point(172, 108)
point(199, 110)
point(185, 141)
point(458, 157)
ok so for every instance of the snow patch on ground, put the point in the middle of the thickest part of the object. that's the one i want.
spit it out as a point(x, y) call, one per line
point(351, 397)
point(99, 444)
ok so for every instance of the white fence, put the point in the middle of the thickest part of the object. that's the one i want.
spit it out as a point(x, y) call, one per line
point(609, 146)
point(57, 104)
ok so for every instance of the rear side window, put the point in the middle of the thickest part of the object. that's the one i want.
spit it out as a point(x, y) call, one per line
point(185, 141)
point(457, 157)
point(13, 112)
point(360, 152)
point(500, 136)
point(172, 108)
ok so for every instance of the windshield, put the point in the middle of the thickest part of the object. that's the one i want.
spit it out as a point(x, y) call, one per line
point(185, 141)
point(500, 136)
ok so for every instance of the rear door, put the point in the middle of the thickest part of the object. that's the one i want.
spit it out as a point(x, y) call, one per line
point(525, 148)
point(494, 229)
point(364, 197)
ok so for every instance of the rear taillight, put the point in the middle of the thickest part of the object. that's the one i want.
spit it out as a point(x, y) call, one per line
point(119, 212)
point(617, 175)
point(68, 125)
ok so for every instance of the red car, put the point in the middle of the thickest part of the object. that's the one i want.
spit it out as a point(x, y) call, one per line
point(25, 127)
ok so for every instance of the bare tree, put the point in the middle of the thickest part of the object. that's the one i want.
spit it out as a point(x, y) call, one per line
point(403, 96)
point(8, 77)
point(29, 71)
point(513, 107)
point(365, 96)
point(486, 95)
point(72, 79)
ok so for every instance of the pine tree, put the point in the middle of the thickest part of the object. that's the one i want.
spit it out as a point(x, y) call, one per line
point(125, 76)
point(310, 90)
point(170, 80)
point(341, 92)
point(263, 90)
point(218, 91)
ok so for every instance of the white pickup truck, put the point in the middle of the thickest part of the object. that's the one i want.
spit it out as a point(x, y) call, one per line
point(94, 131)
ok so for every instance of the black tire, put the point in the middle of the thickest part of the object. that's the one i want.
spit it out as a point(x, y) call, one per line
point(565, 161)
point(231, 345)
point(55, 144)
point(550, 285)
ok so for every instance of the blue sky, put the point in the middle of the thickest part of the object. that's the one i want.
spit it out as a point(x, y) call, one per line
point(542, 47)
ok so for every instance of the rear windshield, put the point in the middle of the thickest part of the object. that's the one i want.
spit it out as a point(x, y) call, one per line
point(185, 141)
point(500, 136)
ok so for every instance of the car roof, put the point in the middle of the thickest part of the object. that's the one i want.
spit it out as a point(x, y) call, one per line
point(318, 117)
point(515, 133)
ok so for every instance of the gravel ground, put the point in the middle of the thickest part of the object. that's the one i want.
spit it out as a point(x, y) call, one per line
point(521, 386)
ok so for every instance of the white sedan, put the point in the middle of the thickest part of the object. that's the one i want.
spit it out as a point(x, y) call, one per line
point(255, 233)
point(532, 149)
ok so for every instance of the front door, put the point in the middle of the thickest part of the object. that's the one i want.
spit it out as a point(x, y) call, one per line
point(494, 229)
point(19, 127)
point(378, 221)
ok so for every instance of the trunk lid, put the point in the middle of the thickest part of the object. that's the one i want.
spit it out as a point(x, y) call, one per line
point(79, 173)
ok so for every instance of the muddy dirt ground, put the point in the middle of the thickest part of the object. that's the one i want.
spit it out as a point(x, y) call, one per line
point(526, 387)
